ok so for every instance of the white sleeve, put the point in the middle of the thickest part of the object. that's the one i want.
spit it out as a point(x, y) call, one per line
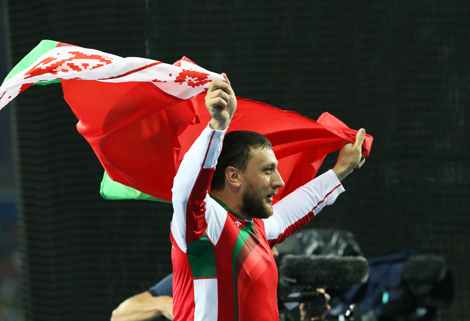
point(191, 187)
point(296, 209)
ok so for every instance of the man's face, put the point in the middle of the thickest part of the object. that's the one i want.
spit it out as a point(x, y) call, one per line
point(261, 181)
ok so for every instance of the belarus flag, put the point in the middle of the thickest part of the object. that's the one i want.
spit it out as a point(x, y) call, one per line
point(140, 116)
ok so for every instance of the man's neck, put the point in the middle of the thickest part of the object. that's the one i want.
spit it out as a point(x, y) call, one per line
point(231, 203)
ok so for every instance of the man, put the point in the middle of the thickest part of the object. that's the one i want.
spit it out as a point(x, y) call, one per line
point(223, 268)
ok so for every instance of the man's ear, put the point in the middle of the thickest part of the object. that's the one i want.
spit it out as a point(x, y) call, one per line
point(232, 176)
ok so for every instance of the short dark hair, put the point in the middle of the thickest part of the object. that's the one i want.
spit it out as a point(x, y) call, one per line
point(236, 152)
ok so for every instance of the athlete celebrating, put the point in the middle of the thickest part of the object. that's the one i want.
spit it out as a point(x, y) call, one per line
point(224, 223)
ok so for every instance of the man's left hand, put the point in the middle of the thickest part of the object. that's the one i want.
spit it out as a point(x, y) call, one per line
point(350, 157)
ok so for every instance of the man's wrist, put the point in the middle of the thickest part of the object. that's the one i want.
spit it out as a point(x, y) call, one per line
point(216, 125)
point(341, 173)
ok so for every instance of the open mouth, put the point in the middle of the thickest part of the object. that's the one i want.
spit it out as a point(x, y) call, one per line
point(270, 197)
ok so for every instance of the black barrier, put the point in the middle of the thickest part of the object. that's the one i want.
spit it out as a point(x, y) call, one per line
point(81, 255)
point(398, 68)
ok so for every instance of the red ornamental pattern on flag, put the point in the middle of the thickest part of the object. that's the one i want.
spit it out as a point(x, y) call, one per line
point(66, 62)
point(192, 78)
point(183, 79)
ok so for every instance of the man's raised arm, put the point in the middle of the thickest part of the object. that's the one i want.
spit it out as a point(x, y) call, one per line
point(192, 181)
point(296, 209)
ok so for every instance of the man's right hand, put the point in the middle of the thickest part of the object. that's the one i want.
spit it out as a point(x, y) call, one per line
point(221, 103)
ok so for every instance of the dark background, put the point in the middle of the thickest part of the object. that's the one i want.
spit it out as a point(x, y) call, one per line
point(398, 68)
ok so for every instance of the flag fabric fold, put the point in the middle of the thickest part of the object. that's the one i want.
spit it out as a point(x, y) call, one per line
point(140, 116)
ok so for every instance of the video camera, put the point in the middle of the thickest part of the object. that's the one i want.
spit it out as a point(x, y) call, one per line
point(301, 275)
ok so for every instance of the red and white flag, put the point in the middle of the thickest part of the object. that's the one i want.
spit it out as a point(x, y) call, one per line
point(140, 116)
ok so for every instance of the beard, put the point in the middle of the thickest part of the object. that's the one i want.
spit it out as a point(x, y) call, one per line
point(255, 204)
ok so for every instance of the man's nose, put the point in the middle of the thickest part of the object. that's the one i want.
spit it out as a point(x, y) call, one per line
point(277, 181)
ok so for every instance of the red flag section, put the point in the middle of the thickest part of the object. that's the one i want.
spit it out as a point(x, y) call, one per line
point(140, 134)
